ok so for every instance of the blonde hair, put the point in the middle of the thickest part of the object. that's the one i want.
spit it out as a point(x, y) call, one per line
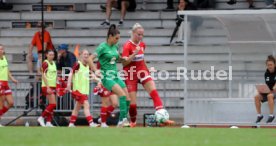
point(134, 28)
point(83, 50)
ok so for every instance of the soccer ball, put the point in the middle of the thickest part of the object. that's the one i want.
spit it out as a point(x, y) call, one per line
point(161, 115)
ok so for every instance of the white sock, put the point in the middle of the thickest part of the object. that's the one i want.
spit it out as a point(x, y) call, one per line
point(271, 115)
point(259, 115)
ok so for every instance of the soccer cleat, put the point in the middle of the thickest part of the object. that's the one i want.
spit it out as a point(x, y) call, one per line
point(105, 23)
point(132, 124)
point(49, 124)
point(104, 125)
point(270, 119)
point(169, 122)
point(123, 123)
point(71, 125)
point(41, 122)
point(119, 125)
point(259, 118)
point(93, 125)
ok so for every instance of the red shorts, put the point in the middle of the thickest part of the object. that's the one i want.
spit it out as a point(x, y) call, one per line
point(143, 77)
point(4, 88)
point(79, 96)
point(44, 91)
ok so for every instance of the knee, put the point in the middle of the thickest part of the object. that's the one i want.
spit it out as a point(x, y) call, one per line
point(86, 105)
point(105, 104)
point(257, 97)
point(122, 94)
point(270, 97)
point(115, 104)
point(29, 58)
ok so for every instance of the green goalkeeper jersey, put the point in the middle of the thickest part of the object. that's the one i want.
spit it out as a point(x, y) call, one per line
point(108, 57)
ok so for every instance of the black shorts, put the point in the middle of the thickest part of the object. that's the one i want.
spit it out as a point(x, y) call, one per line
point(265, 97)
point(131, 7)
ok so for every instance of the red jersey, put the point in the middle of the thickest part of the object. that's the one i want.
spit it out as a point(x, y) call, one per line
point(138, 61)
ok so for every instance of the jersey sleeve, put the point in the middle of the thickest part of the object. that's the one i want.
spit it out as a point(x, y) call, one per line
point(76, 67)
point(44, 67)
point(125, 51)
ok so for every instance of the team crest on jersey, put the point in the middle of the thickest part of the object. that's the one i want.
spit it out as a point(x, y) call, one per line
point(267, 79)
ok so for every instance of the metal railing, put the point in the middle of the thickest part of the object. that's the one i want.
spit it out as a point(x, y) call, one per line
point(27, 95)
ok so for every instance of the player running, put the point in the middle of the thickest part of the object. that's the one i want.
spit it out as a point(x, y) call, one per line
point(5, 91)
point(48, 88)
point(109, 101)
point(137, 72)
point(81, 82)
point(108, 55)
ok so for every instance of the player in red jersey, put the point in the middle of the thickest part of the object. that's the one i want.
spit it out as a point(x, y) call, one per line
point(109, 101)
point(137, 72)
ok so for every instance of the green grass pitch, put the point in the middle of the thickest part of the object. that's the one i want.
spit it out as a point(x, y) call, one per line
point(84, 136)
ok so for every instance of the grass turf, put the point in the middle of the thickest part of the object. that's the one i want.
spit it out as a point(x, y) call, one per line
point(37, 136)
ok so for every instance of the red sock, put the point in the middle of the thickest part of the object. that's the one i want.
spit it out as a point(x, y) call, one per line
point(104, 114)
point(89, 119)
point(110, 109)
point(133, 112)
point(157, 102)
point(4, 110)
point(73, 119)
point(50, 108)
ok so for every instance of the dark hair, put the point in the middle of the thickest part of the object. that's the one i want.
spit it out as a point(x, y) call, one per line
point(112, 31)
point(270, 58)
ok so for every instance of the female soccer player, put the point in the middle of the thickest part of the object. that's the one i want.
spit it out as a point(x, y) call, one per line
point(5, 91)
point(270, 80)
point(81, 83)
point(137, 72)
point(107, 53)
point(48, 88)
point(109, 101)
